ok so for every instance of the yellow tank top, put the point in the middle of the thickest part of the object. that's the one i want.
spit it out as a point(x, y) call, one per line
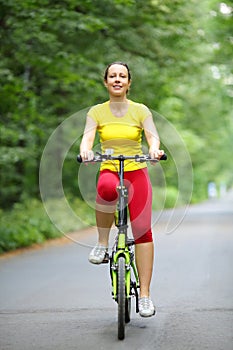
point(121, 134)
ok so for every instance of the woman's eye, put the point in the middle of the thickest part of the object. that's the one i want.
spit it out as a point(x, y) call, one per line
point(114, 76)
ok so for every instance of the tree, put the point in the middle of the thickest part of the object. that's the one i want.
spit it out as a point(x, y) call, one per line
point(53, 54)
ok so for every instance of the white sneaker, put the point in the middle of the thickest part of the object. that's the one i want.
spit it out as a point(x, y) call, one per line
point(98, 254)
point(146, 307)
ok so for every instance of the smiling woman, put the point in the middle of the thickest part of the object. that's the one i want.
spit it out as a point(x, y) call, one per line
point(120, 123)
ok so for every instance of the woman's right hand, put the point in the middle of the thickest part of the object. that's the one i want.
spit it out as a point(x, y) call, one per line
point(87, 155)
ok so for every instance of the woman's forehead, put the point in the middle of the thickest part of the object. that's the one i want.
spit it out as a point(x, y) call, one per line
point(117, 68)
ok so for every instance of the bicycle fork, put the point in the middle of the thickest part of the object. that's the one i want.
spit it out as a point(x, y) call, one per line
point(114, 269)
point(131, 284)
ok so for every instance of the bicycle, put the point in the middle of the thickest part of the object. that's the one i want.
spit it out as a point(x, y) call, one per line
point(123, 271)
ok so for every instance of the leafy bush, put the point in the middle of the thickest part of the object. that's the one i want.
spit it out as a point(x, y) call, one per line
point(27, 223)
point(71, 214)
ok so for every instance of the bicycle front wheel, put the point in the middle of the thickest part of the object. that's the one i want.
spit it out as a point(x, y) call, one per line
point(127, 310)
point(121, 298)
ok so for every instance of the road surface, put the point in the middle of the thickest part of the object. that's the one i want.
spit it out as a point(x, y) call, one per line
point(51, 298)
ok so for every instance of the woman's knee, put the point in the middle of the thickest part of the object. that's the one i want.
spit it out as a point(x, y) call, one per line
point(106, 188)
point(144, 238)
point(107, 192)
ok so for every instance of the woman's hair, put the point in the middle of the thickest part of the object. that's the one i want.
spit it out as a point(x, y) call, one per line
point(117, 62)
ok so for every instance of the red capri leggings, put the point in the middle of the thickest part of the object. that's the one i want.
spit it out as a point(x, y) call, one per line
point(139, 201)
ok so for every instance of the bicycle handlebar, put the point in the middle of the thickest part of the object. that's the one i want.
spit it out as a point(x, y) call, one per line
point(103, 157)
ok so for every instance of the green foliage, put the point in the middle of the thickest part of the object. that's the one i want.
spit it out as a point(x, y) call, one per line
point(83, 214)
point(52, 58)
point(54, 68)
point(27, 223)
point(166, 198)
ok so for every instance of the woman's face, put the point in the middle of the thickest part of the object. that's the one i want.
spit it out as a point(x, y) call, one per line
point(117, 82)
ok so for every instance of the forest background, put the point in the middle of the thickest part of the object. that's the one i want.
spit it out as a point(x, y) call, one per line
point(53, 55)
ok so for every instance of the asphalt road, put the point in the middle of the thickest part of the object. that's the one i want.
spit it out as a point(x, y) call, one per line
point(52, 298)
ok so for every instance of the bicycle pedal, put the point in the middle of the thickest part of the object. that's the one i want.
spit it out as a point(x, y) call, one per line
point(106, 259)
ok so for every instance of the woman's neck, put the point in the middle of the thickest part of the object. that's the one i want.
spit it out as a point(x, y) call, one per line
point(121, 99)
point(119, 107)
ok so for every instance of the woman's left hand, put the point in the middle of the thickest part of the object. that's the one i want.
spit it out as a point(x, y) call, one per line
point(156, 154)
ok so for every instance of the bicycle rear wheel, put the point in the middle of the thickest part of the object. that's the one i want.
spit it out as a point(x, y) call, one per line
point(121, 298)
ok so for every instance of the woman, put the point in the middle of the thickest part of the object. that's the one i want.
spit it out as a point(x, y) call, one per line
point(120, 123)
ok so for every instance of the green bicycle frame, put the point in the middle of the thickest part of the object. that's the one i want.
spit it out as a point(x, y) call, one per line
point(122, 248)
point(129, 263)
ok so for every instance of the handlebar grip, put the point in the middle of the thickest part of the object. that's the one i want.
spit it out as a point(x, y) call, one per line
point(164, 157)
point(79, 159)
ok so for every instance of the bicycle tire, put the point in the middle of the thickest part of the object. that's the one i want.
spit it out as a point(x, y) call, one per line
point(127, 309)
point(121, 298)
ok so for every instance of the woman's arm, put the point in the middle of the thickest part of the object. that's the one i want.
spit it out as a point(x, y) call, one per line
point(88, 139)
point(152, 138)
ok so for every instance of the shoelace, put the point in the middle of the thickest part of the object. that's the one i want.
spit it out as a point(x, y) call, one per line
point(100, 250)
point(146, 303)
